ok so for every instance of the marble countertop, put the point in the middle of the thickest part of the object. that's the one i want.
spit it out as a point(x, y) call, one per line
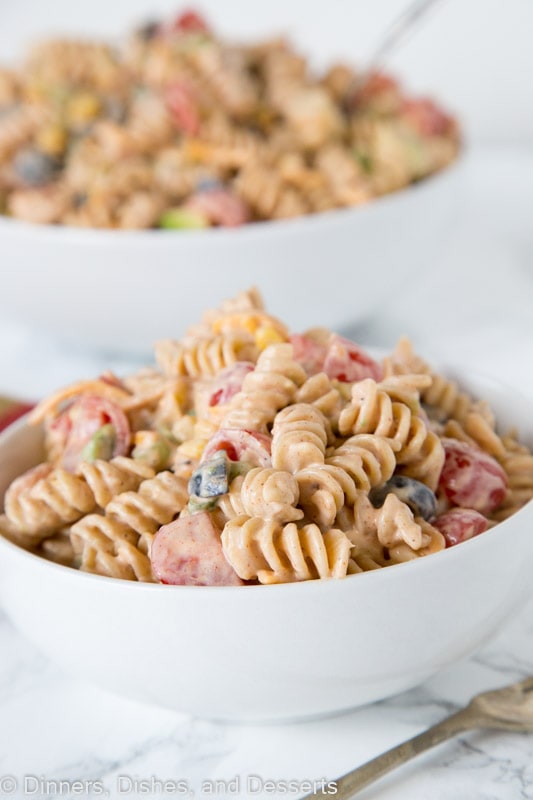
point(473, 303)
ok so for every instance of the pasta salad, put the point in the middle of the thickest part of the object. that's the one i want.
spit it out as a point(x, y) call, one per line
point(252, 455)
point(179, 128)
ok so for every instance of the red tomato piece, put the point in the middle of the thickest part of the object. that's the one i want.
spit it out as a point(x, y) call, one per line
point(220, 206)
point(183, 107)
point(426, 117)
point(376, 86)
point(309, 353)
point(229, 382)
point(348, 362)
point(460, 524)
point(250, 446)
point(190, 21)
point(75, 426)
point(188, 552)
point(471, 478)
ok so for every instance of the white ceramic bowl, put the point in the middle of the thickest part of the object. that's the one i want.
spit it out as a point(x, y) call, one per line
point(272, 652)
point(123, 290)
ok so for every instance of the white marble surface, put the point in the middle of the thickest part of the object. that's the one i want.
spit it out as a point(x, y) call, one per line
point(473, 303)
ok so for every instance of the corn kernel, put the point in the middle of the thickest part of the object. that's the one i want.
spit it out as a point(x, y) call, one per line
point(192, 448)
point(195, 150)
point(268, 335)
point(250, 322)
point(52, 140)
point(82, 107)
point(144, 438)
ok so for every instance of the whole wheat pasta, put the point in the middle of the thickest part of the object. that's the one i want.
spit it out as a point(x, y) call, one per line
point(58, 497)
point(299, 438)
point(208, 356)
point(518, 465)
point(280, 554)
point(433, 542)
point(268, 195)
point(368, 459)
point(270, 387)
point(118, 542)
point(324, 490)
point(271, 494)
point(346, 179)
point(18, 126)
point(374, 410)
point(319, 391)
point(44, 206)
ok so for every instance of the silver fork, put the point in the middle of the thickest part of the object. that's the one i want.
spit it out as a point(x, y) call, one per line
point(507, 709)
point(397, 32)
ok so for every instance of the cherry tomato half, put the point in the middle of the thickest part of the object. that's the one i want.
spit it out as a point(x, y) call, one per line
point(77, 424)
point(240, 445)
point(229, 382)
point(471, 478)
point(460, 524)
point(348, 362)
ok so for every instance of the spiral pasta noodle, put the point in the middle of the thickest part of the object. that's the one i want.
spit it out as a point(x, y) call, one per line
point(373, 410)
point(319, 391)
point(324, 490)
point(270, 494)
point(57, 497)
point(18, 126)
point(119, 541)
point(368, 459)
point(268, 194)
point(476, 430)
point(227, 77)
point(270, 387)
point(299, 438)
point(273, 553)
point(433, 542)
point(203, 356)
point(518, 465)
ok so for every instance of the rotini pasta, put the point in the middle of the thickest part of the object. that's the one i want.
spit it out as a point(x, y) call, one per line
point(200, 357)
point(270, 387)
point(272, 553)
point(270, 494)
point(368, 459)
point(53, 498)
point(374, 410)
point(118, 542)
point(299, 438)
point(252, 455)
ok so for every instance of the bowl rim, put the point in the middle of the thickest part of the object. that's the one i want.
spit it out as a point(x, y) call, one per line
point(319, 221)
point(17, 429)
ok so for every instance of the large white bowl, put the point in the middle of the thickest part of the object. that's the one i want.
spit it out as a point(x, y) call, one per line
point(272, 652)
point(122, 290)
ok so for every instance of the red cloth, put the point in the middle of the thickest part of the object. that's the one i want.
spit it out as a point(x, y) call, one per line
point(11, 410)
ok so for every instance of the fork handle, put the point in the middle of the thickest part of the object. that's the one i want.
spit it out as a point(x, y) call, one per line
point(362, 776)
point(400, 29)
